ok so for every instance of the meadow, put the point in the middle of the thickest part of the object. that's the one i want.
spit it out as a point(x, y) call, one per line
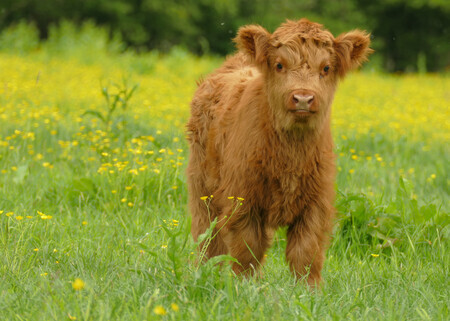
point(93, 217)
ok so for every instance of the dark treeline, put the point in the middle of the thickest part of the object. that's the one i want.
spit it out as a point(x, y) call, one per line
point(408, 35)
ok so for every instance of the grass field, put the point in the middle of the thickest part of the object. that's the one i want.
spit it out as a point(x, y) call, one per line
point(93, 216)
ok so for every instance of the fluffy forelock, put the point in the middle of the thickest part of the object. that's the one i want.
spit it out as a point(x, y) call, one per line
point(293, 33)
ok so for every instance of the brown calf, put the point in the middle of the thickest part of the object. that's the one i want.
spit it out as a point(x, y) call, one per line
point(260, 129)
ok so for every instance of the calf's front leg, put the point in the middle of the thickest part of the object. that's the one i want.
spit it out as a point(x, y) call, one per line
point(306, 242)
point(247, 243)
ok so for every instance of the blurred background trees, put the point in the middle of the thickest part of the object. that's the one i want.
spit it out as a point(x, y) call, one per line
point(408, 35)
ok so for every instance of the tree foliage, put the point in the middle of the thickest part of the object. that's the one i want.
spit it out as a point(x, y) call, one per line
point(408, 35)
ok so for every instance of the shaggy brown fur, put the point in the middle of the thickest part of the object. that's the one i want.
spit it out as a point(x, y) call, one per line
point(260, 129)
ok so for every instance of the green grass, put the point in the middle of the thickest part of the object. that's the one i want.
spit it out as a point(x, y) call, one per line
point(126, 234)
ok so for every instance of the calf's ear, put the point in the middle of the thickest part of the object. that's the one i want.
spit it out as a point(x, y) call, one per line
point(352, 49)
point(253, 40)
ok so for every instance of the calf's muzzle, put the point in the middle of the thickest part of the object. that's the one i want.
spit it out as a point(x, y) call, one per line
point(302, 101)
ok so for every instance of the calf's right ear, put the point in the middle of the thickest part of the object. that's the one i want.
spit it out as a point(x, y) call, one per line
point(253, 40)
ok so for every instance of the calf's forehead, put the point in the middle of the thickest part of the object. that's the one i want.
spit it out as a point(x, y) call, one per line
point(302, 52)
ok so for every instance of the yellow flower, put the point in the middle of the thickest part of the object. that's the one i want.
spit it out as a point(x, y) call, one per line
point(44, 216)
point(71, 317)
point(78, 284)
point(175, 307)
point(433, 176)
point(159, 310)
point(36, 249)
point(231, 197)
point(19, 218)
point(84, 223)
point(204, 198)
point(240, 198)
point(9, 214)
point(351, 171)
point(47, 164)
point(130, 204)
point(375, 255)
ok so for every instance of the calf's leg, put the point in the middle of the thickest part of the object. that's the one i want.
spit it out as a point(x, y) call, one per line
point(306, 242)
point(247, 243)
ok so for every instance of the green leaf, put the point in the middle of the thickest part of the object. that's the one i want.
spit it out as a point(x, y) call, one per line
point(208, 232)
point(94, 113)
point(84, 185)
point(20, 174)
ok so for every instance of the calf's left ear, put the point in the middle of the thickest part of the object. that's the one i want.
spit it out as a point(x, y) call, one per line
point(352, 49)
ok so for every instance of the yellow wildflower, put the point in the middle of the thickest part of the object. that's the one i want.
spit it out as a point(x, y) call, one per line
point(78, 284)
point(159, 310)
point(44, 216)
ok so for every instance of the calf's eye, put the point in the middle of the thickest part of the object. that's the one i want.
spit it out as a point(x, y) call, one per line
point(279, 66)
point(326, 69)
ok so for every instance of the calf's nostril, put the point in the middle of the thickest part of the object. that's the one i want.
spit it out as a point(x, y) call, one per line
point(310, 101)
point(295, 100)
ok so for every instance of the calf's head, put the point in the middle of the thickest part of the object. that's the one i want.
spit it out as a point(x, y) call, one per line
point(301, 63)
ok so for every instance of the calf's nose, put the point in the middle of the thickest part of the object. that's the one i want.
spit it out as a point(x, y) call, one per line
point(302, 101)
